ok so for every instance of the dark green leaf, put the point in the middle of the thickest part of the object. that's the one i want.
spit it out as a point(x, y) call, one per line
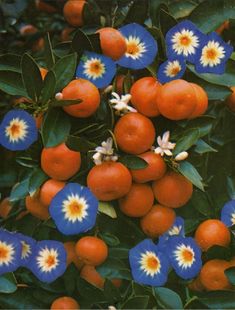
point(55, 128)
point(110, 239)
point(20, 190)
point(31, 77)
point(231, 187)
point(62, 103)
point(190, 172)
point(133, 162)
point(167, 21)
point(167, 298)
point(182, 8)
point(136, 302)
point(219, 300)
point(218, 252)
point(201, 203)
point(10, 62)
point(49, 56)
point(8, 283)
point(118, 252)
point(11, 83)
point(114, 268)
point(48, 89)
point(230, 273)
point(81, 42)
point(37, 178)
point(64, 70)
point(202, 147)
point(79, 144)
point(89, 291)
point(111, 292)
point(188, 139)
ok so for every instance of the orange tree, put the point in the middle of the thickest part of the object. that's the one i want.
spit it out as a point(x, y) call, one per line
point(117, 151)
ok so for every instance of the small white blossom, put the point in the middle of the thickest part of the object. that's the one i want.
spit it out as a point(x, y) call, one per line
point(105, 152)
point(111, 308)
point(120, 104)
point(181, 156)
point(108, 89)
point(59, 96)
point(165, 146)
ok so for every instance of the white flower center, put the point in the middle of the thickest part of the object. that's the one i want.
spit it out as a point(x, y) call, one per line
point(150, 263)
point(184, 255)
point(94, 68)
point(16, 130)
point(212, 54)
point(75, 208)
point(47, 259)
point(185, 42)
point(135, 48)
point(6, 253)
point(172, 68)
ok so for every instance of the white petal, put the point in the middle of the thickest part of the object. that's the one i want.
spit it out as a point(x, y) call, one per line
point(170, 145)
point(166, 137)
point(168, 152)
point(114, 101)
point(159, 140)
point(115, 95)
point(158, 150)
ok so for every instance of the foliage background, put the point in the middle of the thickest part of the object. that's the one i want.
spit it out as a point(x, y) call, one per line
point(210, 140)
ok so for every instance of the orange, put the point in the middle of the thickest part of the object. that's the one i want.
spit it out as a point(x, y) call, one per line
point(59, 162)
point(112, 42)
point(36, 208)
point(196, 285)
point(212, 232)
point(109, 181)
point(5, 208)
point(223, 26)
point(202, 101)
point(155, 170)
point(138, 201)
point(91, 250)
point(65, 303)
point(65, 34)
point(73, 12)
point(43, 72)
point(45, 7)
point(134, 133)
point(173, 190)
point(212, 275)
point(157, 221)
point(230, 101)
point(177, 100)
point(87, 92)
point(49, 189)
point(144, 93)
point(71, 254)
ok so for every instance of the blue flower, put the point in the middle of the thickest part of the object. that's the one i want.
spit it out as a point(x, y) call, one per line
point(228, 213)
point(18, 130)
point(74, 209)
point(28, 245)
point(149, 266)
point(10, 252)
point(184, 40)
point(171, 70)
point(96, 68)
point(177, 229)
point(49, 260)
point(141, 47)
point(185, 256)
point(213, 55)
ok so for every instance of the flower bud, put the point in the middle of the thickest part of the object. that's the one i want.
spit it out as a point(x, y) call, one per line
point(181, 156)
point(59, 96)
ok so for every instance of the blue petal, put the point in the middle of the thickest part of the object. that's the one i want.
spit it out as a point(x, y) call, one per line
point(107, 76)
point(228, 213)
point(64, 225)
point(31, 135)
point(162, 76)
point(147, 57)
point(184, 25)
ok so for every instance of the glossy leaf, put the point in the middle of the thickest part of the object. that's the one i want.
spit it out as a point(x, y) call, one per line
point(11, 83)
point(49, 55)
point(189, 138)
point(37, 178)
point(230, 273)
point(167, 298)
point(48, 89)
point(107, 208)
point(190, 172)
point(133, 162)
point(8, 283)
point(10, 62)
point(79, 144)
point(136, 302)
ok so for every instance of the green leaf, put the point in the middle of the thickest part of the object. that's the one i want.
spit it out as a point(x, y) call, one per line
point(48, 89)
point(230, 273)
point(81, 42)
point(167, 21)
point(188, 139)
point(190, 172)
point(114, 268)
point(219, 300)
point(37, 178)
point(182, 8)
point(31, 77)
point(111, 292)
point(110, 239)
point(79, 144)
point(218, 252)
point(118, 252)
point(10, 62)
point(201, 203)
point(202, 147)
point(89, 291)
point(20, 190)
point(108, 209)
point(167, 298)
point(210, 14)
point(8, 283)
point(49, 56)
point(136, 302)
point(231, 187)
point(63, 103)
point(55, 127)
point(64, 70)
point(133, 162)
point(12, 84)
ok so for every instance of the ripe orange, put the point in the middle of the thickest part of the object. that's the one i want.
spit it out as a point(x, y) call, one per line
point(144, 94)
point(71, 254)
point(212, 275)
point(36, 208)
point(196, 285)
point(91, 250)
point(5, 208)
point(87, 92)
point(230, 101)
point(202, 101)
point(49, 189)
point(157, 221)
point(138, 201)
point(155, 170)
point(109, 181)
point(112, 43)
point(73, 12)
point(173, 190)
point(177, 100)
point(212, 232)
point(45, 7)
point(134, 133)
point(65, 303)
point(59, 162)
